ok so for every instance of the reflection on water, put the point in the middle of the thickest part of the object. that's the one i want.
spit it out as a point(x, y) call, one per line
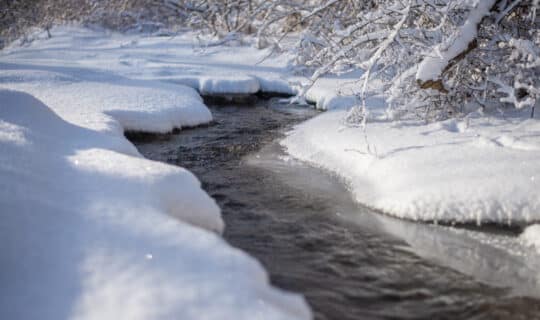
point(350, 262)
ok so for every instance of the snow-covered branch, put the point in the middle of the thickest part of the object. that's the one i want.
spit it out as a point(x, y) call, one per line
point(458, 44)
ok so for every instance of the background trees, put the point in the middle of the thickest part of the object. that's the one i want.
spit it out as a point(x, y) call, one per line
point(431, 58)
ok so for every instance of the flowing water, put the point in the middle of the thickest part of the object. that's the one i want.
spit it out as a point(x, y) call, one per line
point(349, 262)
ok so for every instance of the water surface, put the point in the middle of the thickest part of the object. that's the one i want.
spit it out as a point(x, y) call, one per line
point(349, 262)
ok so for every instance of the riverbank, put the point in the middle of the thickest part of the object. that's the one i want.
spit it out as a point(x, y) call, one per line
point(101, 84)
point(477, 169)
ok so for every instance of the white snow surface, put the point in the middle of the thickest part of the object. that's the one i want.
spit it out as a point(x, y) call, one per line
point(479, 169)
point(92, 55)
point(531, 237)
point(91, 230)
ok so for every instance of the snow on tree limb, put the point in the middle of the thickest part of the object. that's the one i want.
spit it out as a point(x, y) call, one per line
point(463, 40)
point(340, 54)
point(377, 55)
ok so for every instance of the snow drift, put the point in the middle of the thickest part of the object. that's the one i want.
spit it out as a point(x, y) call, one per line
point(89, 230)
point(476, 170)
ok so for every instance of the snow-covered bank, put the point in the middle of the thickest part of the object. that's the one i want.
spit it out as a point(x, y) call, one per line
point(87, 232)
point(91, 230)
point(481, 169)
point(182, 59)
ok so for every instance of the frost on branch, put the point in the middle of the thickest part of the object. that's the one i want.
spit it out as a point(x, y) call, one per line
point(453, 49)
point(524, 88)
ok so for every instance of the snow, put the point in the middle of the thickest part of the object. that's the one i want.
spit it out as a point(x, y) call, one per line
point(326, 97)
point(531, 236)
point(77, 243)
point(228, 85)
point(89, 228)
point(434, 63)
point(77, 54)
point(477, 170)
point(135, 105)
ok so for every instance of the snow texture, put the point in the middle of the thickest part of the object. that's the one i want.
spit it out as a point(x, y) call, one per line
point(531, 236)
point(475, 170)
point(91, 230)
point(77, 54)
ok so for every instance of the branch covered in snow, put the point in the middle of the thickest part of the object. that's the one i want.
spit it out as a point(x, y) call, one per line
point(451, 49)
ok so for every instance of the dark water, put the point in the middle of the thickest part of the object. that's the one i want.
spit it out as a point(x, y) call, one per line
point(349, 262)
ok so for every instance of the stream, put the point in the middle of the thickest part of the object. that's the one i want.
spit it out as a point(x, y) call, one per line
point(349, 262)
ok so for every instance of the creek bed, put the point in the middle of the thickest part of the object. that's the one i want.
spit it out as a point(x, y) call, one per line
point(304, 227)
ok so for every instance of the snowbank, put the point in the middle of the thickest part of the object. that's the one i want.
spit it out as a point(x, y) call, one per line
point(478, 170)
point(107, 102)
point(531, 236)
point(228, 85)
point(89, 230)
point(96, 56)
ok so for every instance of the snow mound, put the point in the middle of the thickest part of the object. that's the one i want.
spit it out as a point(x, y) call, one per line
point(328, 99)
point(435, 172)
point(228, 85)
point(89, 230)
point(274, 84)
point(531, 236)
point(107, 102)
point(453, 125)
